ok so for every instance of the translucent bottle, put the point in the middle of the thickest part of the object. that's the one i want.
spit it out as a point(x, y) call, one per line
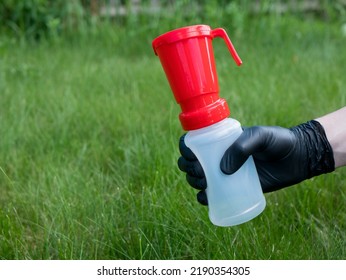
point(232, 199)
point(187, 57)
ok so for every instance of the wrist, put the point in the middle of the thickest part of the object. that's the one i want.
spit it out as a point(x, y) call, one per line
point(335, 130)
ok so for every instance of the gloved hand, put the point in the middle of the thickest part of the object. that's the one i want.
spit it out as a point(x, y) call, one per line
point(283, 157)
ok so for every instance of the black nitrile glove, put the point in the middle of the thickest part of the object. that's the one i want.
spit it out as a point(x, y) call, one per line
point(283, 157)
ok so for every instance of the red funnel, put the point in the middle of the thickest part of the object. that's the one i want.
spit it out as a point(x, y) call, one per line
point(187, 57)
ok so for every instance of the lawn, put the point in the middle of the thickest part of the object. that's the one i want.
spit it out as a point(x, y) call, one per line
point(89, 136)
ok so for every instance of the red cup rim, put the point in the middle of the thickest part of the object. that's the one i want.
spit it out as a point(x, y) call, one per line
point(181, 34)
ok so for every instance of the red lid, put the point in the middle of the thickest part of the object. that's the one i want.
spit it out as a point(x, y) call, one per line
point(205, 116)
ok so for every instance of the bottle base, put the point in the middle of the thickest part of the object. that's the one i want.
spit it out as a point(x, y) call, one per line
point(244, 217)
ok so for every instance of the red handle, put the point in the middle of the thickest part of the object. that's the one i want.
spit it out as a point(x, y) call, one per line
point(220, 32)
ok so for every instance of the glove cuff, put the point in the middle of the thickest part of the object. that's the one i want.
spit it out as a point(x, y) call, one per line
point(319, 152)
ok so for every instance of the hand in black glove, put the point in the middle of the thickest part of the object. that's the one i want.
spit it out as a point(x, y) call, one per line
point(283, 157)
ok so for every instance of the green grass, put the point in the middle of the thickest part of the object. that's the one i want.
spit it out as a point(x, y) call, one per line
point(89, 142)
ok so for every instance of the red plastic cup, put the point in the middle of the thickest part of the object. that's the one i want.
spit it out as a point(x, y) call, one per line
point(187, 57)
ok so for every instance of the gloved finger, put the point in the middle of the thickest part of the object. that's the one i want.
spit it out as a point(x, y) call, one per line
point(202, 198)
point(193, 168)
point(252, 140)
point(197, 183)
point(185, 151)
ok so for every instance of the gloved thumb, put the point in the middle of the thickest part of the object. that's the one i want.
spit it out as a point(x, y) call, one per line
point(249, 142)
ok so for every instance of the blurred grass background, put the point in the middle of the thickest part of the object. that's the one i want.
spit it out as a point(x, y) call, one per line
point(89, 128)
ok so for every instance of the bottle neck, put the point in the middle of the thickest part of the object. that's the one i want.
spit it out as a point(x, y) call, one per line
point(217, 131)
point(205, 116)
point(215, 126)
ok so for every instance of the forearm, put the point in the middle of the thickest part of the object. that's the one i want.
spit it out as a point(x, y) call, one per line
point(334, 125)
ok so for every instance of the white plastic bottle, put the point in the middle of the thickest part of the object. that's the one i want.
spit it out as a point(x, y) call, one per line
point(232, 199)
